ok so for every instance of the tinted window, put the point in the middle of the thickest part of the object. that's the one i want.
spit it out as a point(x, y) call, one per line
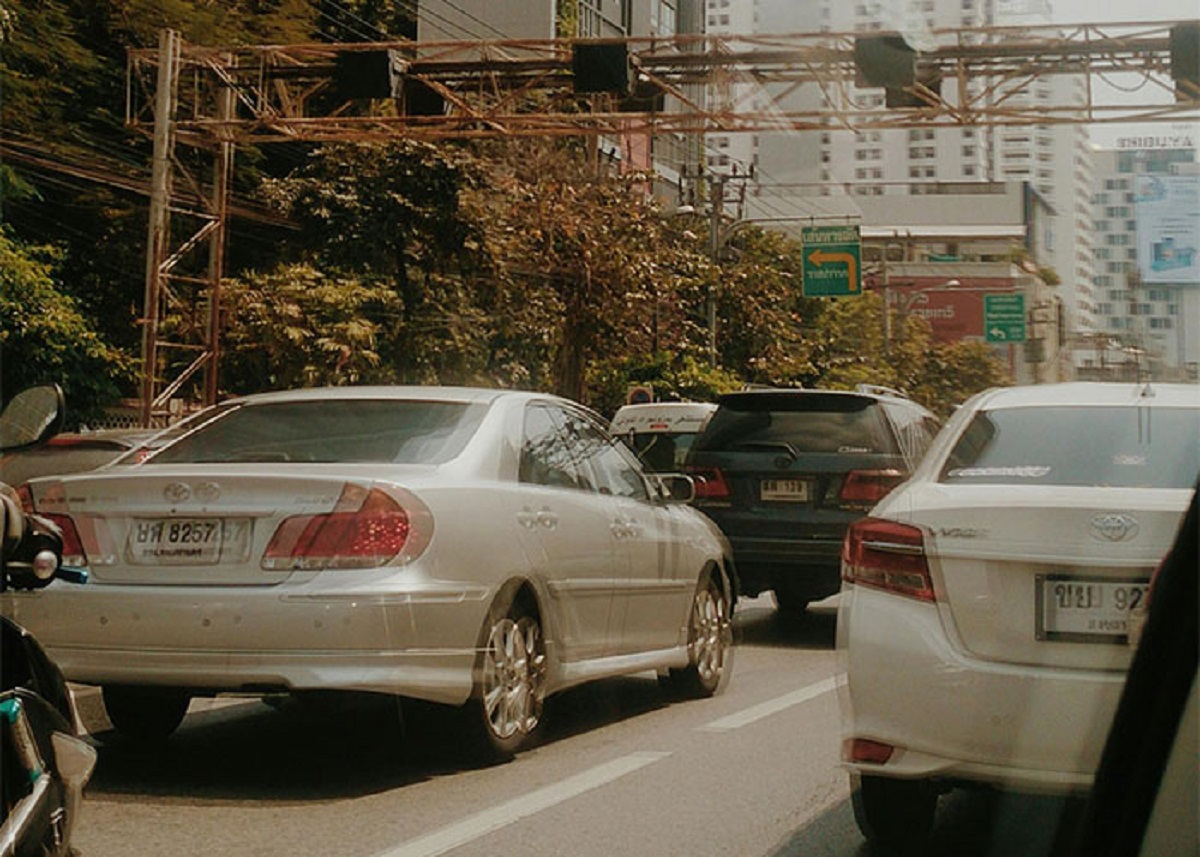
point(346, 430)
point(546, 458)
point(611, 471)
point(809, 423)
point(1128, 447)
point(661, 451)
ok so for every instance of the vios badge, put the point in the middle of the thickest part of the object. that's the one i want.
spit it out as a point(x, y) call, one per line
point(1115, 527)
point(177, 492)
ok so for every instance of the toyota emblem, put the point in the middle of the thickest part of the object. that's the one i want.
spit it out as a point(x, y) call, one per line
point(177, 492)
point(1115, 527)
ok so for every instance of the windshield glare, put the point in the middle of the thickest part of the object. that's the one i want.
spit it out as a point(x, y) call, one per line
point(383, 431)
point(1143, 447)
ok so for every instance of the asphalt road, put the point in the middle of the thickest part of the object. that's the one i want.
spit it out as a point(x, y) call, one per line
point(622, 770)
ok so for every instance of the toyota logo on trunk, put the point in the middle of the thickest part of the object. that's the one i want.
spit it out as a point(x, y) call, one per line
point(177, 492)
point(1115, 527)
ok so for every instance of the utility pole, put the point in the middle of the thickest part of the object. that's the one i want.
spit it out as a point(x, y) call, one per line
point(159, 228)
point(716, 210)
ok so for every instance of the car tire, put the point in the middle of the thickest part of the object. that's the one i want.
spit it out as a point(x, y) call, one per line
point(789, 603)
point(144, 713)
point(506, 706)
point(895, 816)
point(709, 640)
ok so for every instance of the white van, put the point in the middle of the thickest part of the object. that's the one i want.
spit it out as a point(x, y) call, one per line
point(661, 432)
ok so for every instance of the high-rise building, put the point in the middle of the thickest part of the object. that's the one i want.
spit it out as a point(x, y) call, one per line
point(1146, 246)
point(815, 173)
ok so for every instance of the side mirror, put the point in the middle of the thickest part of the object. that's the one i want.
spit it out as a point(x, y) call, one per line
point(32, 416)
point(675, 487)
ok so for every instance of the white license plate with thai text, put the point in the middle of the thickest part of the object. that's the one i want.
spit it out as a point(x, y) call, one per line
point(786, 490)
point(188, 541)
point(1086, 609)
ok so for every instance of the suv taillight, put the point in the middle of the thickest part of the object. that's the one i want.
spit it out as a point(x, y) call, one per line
point(368, 536)
point(868, 487)
point(710, 483)
point(887, 555)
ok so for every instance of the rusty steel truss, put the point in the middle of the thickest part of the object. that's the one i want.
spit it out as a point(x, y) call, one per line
point(214, 99)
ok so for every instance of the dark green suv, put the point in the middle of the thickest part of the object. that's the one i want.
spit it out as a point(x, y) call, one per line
point(783, 473)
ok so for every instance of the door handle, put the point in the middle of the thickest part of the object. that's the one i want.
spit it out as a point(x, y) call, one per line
point(547, 519)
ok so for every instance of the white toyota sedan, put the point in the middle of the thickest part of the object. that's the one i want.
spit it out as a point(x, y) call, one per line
point(477, 548)
point(984, 616)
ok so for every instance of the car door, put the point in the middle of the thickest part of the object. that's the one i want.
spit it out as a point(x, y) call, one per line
point(651, 596)
point(566, 527)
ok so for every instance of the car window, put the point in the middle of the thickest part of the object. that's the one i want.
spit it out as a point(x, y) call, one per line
point(611, 471)
point(1093, 446)
point(809, 423)
point(347, 430)
point(546, 458)
point(913, 433)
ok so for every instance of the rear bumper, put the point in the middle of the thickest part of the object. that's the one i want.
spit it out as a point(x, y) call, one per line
point(955, 718)
point(810, 569)
point(419, 643)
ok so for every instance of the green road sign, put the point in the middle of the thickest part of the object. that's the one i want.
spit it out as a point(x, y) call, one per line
point(1004, 317)
point(832, 264)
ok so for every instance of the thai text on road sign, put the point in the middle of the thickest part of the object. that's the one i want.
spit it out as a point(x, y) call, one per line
point(832, 264)
point(1004, 317)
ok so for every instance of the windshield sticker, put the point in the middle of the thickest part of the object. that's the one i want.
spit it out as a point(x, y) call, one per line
point(1028, 471)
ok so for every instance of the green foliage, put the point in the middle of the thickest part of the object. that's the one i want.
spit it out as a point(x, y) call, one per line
point(44, 337)
point(297, 327)
point(672, 376)
point(954, 371)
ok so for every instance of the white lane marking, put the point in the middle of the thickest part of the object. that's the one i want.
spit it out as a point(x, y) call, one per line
point(771, 706)
point(480, 824)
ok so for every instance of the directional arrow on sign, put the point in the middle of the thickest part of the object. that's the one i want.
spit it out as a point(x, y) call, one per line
point(819, 258)
point(998, 333)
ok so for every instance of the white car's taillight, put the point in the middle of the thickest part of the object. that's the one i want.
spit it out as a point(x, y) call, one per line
point(53, 509)
point(887, 555)
point(366, 529)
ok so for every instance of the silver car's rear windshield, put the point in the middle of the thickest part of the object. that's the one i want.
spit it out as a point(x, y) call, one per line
point(342, 430)
point(1082, 446)
point(812, 422)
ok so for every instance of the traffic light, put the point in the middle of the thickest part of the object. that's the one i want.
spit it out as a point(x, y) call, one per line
point(369, 74)
point(889, 61)
point(1185, 60)
point(600, 67)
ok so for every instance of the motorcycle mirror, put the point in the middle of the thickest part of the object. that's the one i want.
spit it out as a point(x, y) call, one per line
point(32, 416)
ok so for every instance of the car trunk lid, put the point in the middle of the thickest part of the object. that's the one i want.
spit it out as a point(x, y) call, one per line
point(1045, 576)
point(180, 525)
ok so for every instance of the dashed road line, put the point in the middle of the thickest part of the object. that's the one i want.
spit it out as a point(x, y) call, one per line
point(771, 706)
point(483, 823)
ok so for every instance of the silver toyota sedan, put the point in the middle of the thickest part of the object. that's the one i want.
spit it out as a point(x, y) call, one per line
point(478, 548)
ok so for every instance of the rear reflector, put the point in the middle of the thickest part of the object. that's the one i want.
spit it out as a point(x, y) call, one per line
point(710, 483)
point(367, 529)
point(870, 752)
point(887, 555)
point(868, 487)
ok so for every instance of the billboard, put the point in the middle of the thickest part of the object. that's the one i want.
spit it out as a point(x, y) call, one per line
point(1167, 211)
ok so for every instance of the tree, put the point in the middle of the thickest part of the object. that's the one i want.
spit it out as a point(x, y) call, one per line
point(44, 338)
point(593, 261)
point(296, 327)
point(391, 214)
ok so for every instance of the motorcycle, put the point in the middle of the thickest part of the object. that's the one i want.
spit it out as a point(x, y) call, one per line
point(45, 764)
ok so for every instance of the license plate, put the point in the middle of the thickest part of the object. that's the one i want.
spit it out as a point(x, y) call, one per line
point(189, 541)
point(1086, 609)
point(785, 490)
